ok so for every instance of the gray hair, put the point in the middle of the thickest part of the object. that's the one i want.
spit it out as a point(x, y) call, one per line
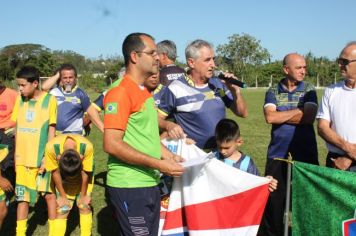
point(192, 50)
point(169, 48)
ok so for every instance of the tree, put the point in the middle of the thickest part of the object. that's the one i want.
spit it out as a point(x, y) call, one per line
point(242, 55)
point(321, 70)
point(13, 57)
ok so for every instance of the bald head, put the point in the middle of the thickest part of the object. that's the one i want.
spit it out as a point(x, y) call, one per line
point(294, 67)
point(350, 48)
point(291, 57)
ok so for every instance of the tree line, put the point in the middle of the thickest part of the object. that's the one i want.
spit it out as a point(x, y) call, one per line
point(242, 55)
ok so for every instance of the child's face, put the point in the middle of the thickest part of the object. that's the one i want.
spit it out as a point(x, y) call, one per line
point(27, 89)
point(228, 148)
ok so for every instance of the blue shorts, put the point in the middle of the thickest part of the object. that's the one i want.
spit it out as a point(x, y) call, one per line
point(137, 209)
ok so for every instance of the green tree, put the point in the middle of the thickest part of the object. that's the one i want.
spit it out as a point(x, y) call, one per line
point(242, 55)
point(13, 57)
point(68, 56)
point(321, 70)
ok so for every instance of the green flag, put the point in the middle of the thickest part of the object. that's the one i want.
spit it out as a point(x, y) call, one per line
point(322, 198)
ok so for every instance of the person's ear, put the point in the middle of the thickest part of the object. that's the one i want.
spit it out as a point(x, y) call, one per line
point(133, 57)
point(239, 141)
point(58, 157)
point(35, 83)
point(81, 157)
point(286, 69)
point(191, 62)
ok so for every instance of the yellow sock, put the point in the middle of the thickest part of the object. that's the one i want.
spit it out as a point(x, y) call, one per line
point(51, 225)
point(86, 221)
point(21, 227)
point(60, 226)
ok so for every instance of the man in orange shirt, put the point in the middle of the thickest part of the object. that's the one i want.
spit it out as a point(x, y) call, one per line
point(7, 173)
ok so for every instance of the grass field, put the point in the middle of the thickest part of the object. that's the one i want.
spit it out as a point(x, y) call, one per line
point(254, 130)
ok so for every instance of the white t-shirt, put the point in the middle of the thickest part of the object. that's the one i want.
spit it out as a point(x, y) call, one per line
point(338, 106)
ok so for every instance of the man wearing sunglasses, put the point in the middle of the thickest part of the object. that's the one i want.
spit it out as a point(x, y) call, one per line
point(337, 114)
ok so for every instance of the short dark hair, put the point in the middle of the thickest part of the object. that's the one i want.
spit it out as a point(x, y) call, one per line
point(70, 163)
point(169, 48)
point(133, 42)
point(227, 130)
point(30, 73)
point(67, 66)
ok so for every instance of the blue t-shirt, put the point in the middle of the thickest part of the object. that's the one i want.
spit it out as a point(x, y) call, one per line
point(245, 163)
point(299, 140)
point(71, 108)
point(169, 73)
point(196, 110)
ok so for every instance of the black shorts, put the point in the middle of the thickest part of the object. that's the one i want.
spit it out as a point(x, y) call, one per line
point(137, 209)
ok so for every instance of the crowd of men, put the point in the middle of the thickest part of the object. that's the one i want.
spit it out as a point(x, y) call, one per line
point(155, 98)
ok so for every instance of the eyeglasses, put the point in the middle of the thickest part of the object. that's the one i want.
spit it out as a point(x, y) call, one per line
point(344, 61)
point(152, 53)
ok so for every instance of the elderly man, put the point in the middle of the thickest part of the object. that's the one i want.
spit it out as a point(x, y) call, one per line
point(290, 106)
point(196, 100)
point(337, 114)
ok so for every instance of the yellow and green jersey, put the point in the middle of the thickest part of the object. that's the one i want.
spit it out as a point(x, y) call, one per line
point(33, 118)
point(54, 148)
point(84, 147)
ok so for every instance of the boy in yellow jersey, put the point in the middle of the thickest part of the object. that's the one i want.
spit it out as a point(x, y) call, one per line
point(35, 114)
point(5, 185)
point(69, 157)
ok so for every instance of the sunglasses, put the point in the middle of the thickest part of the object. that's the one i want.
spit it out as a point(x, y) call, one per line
point(344, 61)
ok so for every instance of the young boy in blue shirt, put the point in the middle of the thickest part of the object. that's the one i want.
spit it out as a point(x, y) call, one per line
point(228, 140)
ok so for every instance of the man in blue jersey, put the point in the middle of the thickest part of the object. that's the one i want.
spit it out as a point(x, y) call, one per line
point(72, 101)
point(290, 106)
point(196, 100)
point(167, 54)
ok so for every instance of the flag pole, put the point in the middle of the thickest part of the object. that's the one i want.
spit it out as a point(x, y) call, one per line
point(286, 212)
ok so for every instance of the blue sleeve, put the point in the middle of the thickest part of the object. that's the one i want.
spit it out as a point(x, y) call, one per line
point(221, 91)
point(167, 103)
point(99, 101)
point(252, 169)
point(85, 100)
point(270, 97)
point(227, 98)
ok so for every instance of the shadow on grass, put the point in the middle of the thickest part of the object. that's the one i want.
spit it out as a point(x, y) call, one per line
point(105, 218)
point(107, 224)
point(38, 215)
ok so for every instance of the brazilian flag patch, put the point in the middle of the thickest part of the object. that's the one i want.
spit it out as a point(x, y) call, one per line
point(111, 108)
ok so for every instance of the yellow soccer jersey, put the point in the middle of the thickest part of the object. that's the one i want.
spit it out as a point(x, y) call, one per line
point(33, 118)
point(55, 147)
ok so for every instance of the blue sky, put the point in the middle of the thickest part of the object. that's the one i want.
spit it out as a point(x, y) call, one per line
point(96, 28)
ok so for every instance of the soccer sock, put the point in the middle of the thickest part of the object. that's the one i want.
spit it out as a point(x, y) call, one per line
point(21, 227)
point(86, 221)
point(51, 227)
point(60, 227)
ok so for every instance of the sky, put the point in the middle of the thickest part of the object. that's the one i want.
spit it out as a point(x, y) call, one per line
point(97, 28)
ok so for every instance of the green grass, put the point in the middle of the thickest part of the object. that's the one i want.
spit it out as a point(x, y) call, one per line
point(254, 130)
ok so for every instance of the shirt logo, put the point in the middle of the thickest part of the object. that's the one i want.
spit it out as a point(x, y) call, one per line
point(111, 108)
point(30, 116)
